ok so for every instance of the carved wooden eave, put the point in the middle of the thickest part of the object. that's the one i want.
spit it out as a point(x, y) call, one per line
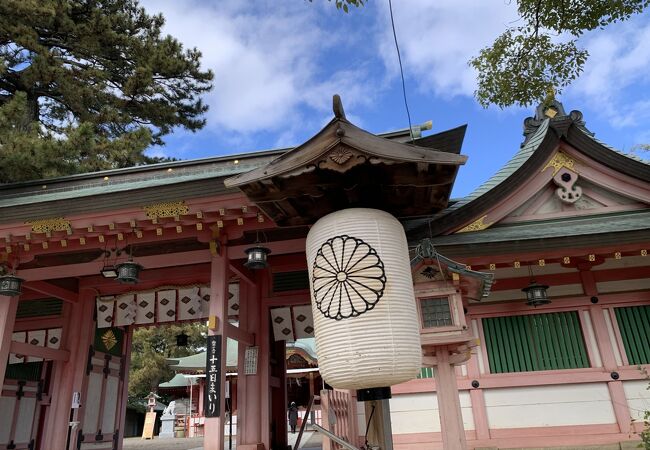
point(345, 166)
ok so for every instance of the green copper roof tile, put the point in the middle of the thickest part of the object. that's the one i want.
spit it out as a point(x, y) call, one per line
point(576, 226)
point(102, 187)
point(179, 381)
point(511, 166)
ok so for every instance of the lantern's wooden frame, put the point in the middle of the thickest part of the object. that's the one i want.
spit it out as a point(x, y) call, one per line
point(455, 333)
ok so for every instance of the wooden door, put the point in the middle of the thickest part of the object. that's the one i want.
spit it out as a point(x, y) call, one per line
point(102, 395)
point(22, 403)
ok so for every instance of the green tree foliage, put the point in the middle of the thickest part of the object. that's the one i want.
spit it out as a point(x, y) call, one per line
point(150, 348)
point(344, 5)
point(92, 72)
point(28, 153)
point(542, 55)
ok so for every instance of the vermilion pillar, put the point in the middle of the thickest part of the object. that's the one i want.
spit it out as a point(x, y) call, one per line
point(214, 426)
point(451, 419)
point(69, 376)
point(250, 403)
point(8, 307)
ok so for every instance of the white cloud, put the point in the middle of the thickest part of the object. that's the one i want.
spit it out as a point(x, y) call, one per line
point(267, 62)
point(616, 77)
point(438, 38)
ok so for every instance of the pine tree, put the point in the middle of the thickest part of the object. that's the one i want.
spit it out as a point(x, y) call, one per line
point(93, 72)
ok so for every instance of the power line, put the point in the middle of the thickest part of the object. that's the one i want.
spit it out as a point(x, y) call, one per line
point(401, 70)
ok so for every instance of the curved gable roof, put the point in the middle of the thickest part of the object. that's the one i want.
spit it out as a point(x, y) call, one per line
point(543, 137)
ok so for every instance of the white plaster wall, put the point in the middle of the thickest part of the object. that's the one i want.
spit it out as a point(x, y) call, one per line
point(93, 399)
point(419, 413)
point(638, 397)
point(7, 405)
point(25, 421)
point(570, 404)
point(110, 404)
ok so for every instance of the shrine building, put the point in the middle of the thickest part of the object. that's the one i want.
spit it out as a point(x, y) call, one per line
point(532, 293)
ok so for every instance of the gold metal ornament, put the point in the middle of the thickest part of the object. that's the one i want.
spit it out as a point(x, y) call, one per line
point(477, 225)
point(559, 161)
point(166, 209)
point(49, 225)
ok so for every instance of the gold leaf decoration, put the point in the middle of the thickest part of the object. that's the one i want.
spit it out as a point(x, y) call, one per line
point(166, 209)
point(49, 225)
point(109, 339)
point(477, 225)
point(558, 161)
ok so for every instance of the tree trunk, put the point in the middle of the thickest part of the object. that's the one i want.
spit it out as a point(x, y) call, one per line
point(33, 110)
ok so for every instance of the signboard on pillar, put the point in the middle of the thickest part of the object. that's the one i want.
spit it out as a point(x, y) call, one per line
point(213, 377)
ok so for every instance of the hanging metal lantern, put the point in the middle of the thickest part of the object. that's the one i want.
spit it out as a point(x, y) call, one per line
point(181, 340)
point(128, 272)
point(536, 294)
point(10, 285)
point(257, 257)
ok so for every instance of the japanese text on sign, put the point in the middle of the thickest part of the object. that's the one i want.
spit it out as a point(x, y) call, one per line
point(213, 376)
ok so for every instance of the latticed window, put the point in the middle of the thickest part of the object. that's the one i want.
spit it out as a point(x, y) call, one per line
point(426, 372)
point(634, 324)
point(435, 312)
point(535, 342)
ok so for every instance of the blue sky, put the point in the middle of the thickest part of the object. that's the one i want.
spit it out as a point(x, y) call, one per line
point(277, 64)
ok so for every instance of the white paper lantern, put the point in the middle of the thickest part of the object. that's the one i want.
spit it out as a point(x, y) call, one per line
point(365, 317)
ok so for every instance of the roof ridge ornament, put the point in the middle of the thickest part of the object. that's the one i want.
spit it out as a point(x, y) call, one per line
point(553, 110)
point(337, 106)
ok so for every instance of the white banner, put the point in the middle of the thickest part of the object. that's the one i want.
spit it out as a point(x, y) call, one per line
point(166, 305)
point(125, 310)
point(189, 303)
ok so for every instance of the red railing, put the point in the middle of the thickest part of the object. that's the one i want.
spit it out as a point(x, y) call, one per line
point(339, 412)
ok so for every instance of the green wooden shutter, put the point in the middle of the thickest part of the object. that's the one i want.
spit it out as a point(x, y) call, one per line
point(30, 371)
point(535, 342)
point(634, 324)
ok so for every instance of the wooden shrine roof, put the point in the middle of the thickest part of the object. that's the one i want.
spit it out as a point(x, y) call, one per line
point(584, 231)
point(543, 135)
point(344, 166)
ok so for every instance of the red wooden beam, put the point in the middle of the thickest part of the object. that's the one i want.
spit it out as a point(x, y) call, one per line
point(21, 348)
point(239, 335)
point(46, 288)
point(245, 274)
point(277, 248)
point(93, 268)
point(555, 279)
point(600, 276)
point(509, 258)
point(38, 323)
point(196, 273)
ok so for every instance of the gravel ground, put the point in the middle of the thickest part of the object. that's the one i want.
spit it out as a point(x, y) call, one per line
point(310, 441)
point(165, 444)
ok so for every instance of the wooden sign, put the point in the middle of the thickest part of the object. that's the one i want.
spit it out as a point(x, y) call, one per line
point(213, 377)
point(250, 360)
point(149, 423)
